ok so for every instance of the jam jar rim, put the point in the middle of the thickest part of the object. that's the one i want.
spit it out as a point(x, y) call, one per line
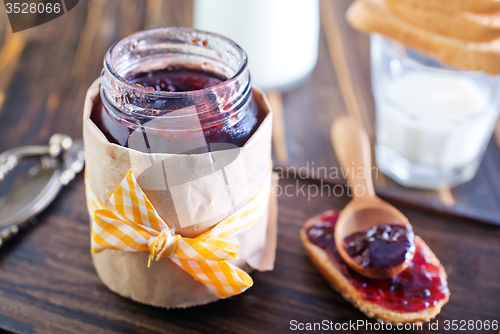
point(130, 38)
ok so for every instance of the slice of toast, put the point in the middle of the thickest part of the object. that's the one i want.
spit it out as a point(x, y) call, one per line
point(479, 6)
point(475, 27)
point(341, 284)
point(375, 16)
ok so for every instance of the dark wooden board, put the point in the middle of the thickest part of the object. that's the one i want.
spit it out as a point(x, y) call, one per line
point(48, 283)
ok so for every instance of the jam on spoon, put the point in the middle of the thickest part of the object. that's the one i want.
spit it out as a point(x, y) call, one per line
point(416, 288)
point(382, 246)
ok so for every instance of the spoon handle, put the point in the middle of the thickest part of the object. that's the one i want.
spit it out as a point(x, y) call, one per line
point(352, 146)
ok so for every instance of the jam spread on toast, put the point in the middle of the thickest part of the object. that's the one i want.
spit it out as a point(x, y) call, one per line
point(421, 285)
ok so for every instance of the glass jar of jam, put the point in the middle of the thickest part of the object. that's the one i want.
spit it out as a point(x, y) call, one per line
point(176, 90)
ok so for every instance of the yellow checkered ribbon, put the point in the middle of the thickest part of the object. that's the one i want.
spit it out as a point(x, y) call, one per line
point(134, 225)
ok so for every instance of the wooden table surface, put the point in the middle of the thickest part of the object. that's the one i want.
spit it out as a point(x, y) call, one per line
point(47, 281)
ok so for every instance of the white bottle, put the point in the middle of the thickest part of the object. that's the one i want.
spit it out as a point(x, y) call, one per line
point(279, 36)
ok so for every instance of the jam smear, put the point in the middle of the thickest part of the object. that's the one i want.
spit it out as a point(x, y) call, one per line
point(415, 289)
point(383, 246)
point(236, 129)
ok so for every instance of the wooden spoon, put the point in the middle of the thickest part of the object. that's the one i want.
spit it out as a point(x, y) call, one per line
point(366, 209)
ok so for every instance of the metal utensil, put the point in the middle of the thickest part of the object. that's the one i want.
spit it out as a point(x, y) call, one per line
point(57, 165)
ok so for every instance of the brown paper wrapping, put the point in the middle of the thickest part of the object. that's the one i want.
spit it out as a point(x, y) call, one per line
point(190, 199)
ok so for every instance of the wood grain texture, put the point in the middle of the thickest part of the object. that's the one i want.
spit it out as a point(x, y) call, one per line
point(47, 281)
point(61, 58)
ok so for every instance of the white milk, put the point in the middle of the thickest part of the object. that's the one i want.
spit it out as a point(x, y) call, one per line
point(279, 36)
point(443, 121)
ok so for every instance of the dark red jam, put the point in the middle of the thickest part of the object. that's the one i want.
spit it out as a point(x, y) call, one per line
point(234, 129)
point(382, 246)
point(415, 289)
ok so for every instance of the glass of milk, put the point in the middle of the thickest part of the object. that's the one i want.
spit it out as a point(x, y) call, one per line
point(280, 37)
point(433, 122)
